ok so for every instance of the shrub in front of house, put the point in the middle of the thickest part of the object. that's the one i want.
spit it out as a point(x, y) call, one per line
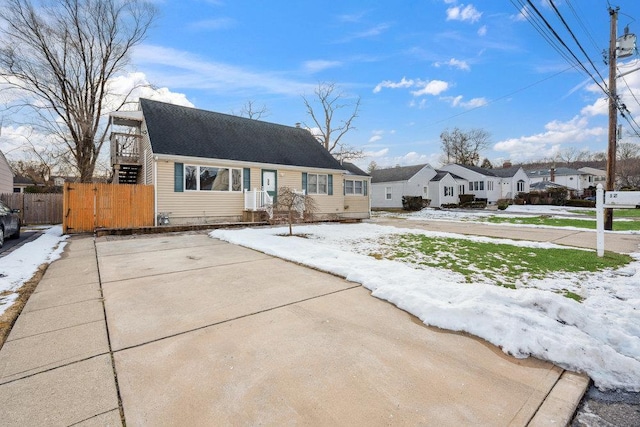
point(580, 203)
point(411, 203)
point(503, 204)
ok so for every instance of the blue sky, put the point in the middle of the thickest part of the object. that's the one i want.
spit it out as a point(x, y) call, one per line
point(419, 67)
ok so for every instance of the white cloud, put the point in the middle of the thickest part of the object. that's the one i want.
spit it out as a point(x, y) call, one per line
point(374, 138)
point(550, 142)
point(454, 63)
point(184, 70)
point(463, 13)
point(383, 160)
point(403, 83)
point(318, 65)
point(433, 87)
point(482, 31)
point(137, 85)
point(457, 101)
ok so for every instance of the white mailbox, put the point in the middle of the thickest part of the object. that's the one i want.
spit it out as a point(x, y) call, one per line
point(622, 199)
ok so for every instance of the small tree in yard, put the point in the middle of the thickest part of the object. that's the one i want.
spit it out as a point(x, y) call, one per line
point(294, 204)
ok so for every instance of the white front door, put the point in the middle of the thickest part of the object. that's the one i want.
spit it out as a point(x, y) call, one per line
point(269, 182)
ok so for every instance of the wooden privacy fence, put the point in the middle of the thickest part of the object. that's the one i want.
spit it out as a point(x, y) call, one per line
point(36, 208)
point(91, 206)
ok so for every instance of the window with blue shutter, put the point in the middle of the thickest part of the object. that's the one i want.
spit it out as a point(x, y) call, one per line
point(178, 176)
point(246, 179)
point(364, 186)
point(304, 182)
point(330, 185)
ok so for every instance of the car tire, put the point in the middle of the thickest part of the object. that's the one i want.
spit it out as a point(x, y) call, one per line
point(16, 235)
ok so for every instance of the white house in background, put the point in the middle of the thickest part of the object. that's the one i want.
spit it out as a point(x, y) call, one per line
point(6, 175)
point(573, 179)
point(594, 177)
point(491, 184)
point(445, 188)
point(388, 186)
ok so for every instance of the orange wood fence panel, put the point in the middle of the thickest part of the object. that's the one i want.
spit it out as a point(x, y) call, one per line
point(91, 206)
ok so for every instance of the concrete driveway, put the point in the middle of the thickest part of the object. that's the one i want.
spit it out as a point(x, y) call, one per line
point(195, 331)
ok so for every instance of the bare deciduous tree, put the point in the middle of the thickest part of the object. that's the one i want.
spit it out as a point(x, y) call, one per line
point(251, 111)
point(296, 205)
point(331, 127)
point(464, 147)
point(61, 54)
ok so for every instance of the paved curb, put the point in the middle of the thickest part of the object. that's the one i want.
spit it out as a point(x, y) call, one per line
point(561, 403)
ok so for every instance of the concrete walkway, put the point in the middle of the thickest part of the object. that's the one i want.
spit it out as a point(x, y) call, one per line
point(182, 329)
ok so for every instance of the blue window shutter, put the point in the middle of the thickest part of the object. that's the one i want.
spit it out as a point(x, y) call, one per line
point(344, 187)
point(304, 181)
point(364, 187)
point(246, 179)
point(178, 184)
point(330, 185)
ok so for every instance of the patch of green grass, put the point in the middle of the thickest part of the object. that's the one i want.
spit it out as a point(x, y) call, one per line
point(617, 213)
point(563, 222)
point(495, 263)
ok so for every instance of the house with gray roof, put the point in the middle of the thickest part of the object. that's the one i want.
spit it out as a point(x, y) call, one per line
point(207, 166)
point(575, 180)
point(390, 185)
point(491, 184)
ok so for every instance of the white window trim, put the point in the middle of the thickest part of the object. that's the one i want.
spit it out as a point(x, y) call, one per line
point(353, 187)
point(317, 175)
point(230, 188)
point(387, 193)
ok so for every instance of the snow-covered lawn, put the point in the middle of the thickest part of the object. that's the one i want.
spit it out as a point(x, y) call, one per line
point(20, 265)
point(599, 335)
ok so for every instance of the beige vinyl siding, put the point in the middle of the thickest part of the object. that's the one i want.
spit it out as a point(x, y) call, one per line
point(195, 206)
point(356, 206)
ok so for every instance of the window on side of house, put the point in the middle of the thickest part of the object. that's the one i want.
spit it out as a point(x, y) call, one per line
point(348, 186)
point(448, 191)
point(490, 185)
point(352, 186)
point(211, 178)
point(481, 185)
point(461, 189)
point(520, 186)
point(387, 193)
point(317, 183)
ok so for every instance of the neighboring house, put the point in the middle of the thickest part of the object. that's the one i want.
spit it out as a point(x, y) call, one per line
point(445, 188)
point(20, 183)
point(577, 181)
point(491, 184)
point(389, 186)
point(6, 175)
point(594, 177)
point(211, 167)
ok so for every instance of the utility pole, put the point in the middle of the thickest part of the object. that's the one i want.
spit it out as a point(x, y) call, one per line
point(613, 116)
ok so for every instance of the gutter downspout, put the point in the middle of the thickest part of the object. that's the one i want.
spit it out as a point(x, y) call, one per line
point(155, 191)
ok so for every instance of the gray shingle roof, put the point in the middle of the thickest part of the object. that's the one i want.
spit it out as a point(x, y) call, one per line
point(561, 171)
point(399, 173)
point(498, 172)
point(184, 131)
point(353, 169)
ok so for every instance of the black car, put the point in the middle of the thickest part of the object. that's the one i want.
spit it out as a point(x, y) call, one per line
point(9, 223)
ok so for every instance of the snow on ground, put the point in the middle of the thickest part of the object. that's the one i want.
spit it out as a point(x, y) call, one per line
point(21, 264)
point(599, 336)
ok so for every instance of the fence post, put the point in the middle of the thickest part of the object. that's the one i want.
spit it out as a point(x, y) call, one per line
point(600, 220)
